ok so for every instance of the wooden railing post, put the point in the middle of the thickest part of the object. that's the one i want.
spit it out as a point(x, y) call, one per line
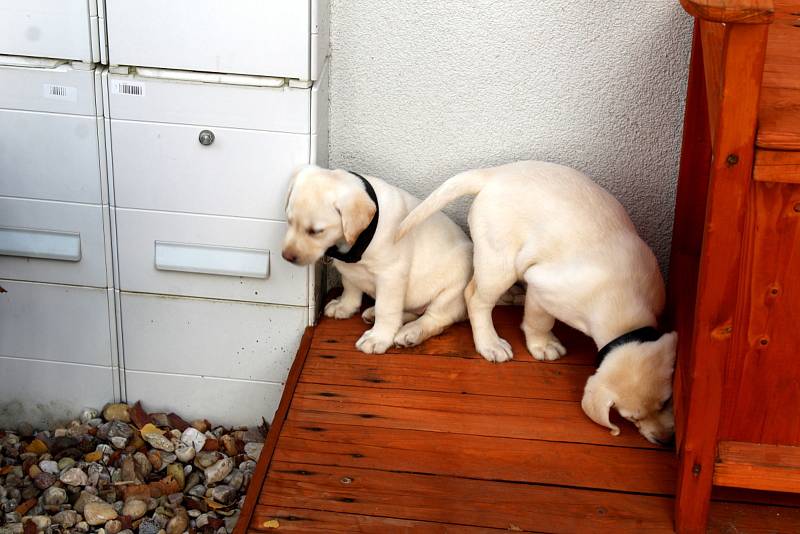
point(733, 108)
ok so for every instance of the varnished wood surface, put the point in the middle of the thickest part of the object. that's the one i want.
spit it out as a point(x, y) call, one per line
point(435, 439)
point(740, 11)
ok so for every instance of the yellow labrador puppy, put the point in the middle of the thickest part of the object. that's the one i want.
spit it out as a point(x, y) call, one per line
point(584, 264)
point(353, 219)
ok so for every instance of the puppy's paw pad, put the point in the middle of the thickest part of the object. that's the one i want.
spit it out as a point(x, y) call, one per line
point(369, 315)
point(497, 350)
point(374, 343)
point(549, 349)
point(339, 310)
point(409, 336)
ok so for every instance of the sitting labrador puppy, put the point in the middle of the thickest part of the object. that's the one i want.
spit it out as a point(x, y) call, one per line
point(584, 264)
point(353, 219)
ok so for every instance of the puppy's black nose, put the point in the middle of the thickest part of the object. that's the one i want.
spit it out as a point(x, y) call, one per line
point(289, 257)
point(668, 442)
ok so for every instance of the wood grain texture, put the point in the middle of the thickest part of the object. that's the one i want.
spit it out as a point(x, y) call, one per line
point(479, 457)
point(762, 392)
point(474, 376)
point(461, 414)
point(687, 233)
point(758, 466)
point(305, 520)
point(779, 110)
point(739, 11)
point(481, 503)
point(265, 458)
point(740, 71)
point(415, 454)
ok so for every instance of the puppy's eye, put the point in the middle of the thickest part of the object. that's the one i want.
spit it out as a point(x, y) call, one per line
point(315, 231)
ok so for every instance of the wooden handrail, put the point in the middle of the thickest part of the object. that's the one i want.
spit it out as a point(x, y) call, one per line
point(738, 11)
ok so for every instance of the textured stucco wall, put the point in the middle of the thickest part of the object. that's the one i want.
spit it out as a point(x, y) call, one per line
point(422, 89)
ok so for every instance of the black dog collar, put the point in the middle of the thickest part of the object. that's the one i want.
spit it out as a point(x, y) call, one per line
point(642, 335)
point(364, 238)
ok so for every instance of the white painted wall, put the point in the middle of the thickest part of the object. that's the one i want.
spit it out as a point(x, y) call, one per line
point(422, 89)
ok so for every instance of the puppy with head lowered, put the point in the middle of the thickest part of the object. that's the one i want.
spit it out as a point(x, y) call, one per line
point(353, 219)
point(584, 264)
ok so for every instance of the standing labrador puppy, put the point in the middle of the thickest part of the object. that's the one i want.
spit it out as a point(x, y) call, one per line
point(354, 219)
point(584, 264)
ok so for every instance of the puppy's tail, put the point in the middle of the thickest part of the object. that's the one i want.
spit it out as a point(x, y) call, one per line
point(465, 183)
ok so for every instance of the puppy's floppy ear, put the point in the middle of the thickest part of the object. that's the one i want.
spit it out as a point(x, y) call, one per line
point(292, 179)
point(597, 402)
point(357, 210)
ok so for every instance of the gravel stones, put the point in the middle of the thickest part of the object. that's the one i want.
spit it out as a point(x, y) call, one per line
point(127, 472)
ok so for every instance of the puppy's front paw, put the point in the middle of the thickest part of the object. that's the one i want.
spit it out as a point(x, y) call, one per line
point(545, 348)
point(496, 350)
point(372, 342)
point(340, 310)
point(410, 335)
point(369, 315)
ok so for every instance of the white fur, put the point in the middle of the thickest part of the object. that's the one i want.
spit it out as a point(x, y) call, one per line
point(583, 262)
point(425, 274)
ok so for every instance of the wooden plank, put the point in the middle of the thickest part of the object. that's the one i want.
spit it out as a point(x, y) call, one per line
point(259, 475)
point(303, 520)
point(479, 457)
point(758, 466)
point(712, 37)
point(728, 518)
point(776, 157)
point(789, 174)
point(779, 118)
point(439, 373)
point(740, 11)
point(742, 63)
point(463, 501)
point(687, 232)
point(762, 394)
point(461, 414)
point(457, 341)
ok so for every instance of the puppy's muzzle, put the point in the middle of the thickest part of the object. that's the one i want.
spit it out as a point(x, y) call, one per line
point(289, 256)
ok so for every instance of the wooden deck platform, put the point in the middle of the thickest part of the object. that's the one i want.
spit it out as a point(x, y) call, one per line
point(436, 439)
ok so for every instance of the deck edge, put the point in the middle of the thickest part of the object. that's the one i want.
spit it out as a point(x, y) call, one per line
point(270, 443)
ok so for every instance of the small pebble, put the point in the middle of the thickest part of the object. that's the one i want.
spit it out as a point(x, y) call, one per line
point(134, 508)
point(253, 450)
point(41, 521)
point(155, 437)
point(113, 526)
point(87, 414)
point(97, 513)
point(74, 477)
point(192, 437)
point(66, 518)
point(116, 412)
point(219, 470)
point(49, 466)
point(54, 496)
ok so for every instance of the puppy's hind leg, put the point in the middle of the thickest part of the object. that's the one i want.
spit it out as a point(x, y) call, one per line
point(487, 286)
point(447, 308)
point(537, 325)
